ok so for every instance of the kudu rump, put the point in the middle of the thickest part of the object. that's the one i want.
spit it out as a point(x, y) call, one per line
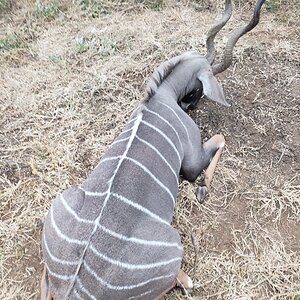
point(111, 237)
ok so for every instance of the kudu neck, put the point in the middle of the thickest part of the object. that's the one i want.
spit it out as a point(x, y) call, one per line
point(168, 93)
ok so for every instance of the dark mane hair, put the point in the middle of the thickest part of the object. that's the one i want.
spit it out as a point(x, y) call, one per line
point(161, 73)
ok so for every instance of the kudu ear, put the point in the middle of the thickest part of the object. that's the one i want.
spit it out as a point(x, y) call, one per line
point(211, 87)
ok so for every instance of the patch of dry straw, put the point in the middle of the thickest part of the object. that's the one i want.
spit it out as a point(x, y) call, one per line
point(67, 93)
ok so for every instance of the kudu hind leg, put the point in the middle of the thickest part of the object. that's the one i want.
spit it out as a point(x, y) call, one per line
point(216, 142)
point(182, 280)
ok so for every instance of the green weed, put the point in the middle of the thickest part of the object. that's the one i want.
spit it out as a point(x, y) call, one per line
point(101, 7)
point(4, 5)
point(107, 46)
point(296, 296)
point(82, 45)
point(56, 59)
point(155, 5)
point(273, 5)
point(286, 11)
point(47, 11)
point(96, 7)
point(10, 41)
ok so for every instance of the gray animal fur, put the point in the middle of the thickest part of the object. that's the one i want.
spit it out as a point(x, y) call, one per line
point(111, 237)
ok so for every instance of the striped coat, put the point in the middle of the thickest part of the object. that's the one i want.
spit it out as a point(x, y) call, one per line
point(111, 237)
point(116, 225)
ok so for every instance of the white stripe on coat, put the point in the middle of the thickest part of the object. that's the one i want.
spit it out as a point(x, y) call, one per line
point(129, 266)
point(62, 235)
point(122, 237)
point(168, 123)
point(160, 155)
point(123, 287)
point(146, 170)
point(166, 138)
point(179, 119)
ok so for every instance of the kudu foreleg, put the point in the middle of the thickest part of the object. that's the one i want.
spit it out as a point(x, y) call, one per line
point(217, 141)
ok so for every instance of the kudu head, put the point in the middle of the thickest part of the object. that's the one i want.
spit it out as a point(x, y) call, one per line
point(191, 75)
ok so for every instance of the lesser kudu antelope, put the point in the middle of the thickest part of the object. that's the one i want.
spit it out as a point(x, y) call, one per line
point(111, 238)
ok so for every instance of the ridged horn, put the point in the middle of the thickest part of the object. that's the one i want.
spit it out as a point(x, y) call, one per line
point(210, 45)
point(234, 37)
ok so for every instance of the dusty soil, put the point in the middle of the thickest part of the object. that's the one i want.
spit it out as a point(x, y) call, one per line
point(70, 76)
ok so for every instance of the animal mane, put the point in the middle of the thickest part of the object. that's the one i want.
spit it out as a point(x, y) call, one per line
point(161, 73)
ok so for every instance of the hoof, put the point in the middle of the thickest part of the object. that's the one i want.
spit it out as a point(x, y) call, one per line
point(184, 281)
point(202, 194)
point(187, 286)
point(187, 292)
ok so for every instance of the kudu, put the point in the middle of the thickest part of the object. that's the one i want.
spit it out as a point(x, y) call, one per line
point(111, 237)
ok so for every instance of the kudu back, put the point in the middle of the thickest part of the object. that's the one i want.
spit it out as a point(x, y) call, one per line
point(110, 237)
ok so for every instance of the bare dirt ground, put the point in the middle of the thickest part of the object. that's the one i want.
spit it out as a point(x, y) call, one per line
point(70, 75)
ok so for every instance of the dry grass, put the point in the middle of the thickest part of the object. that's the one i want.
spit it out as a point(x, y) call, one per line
point(70, 77)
